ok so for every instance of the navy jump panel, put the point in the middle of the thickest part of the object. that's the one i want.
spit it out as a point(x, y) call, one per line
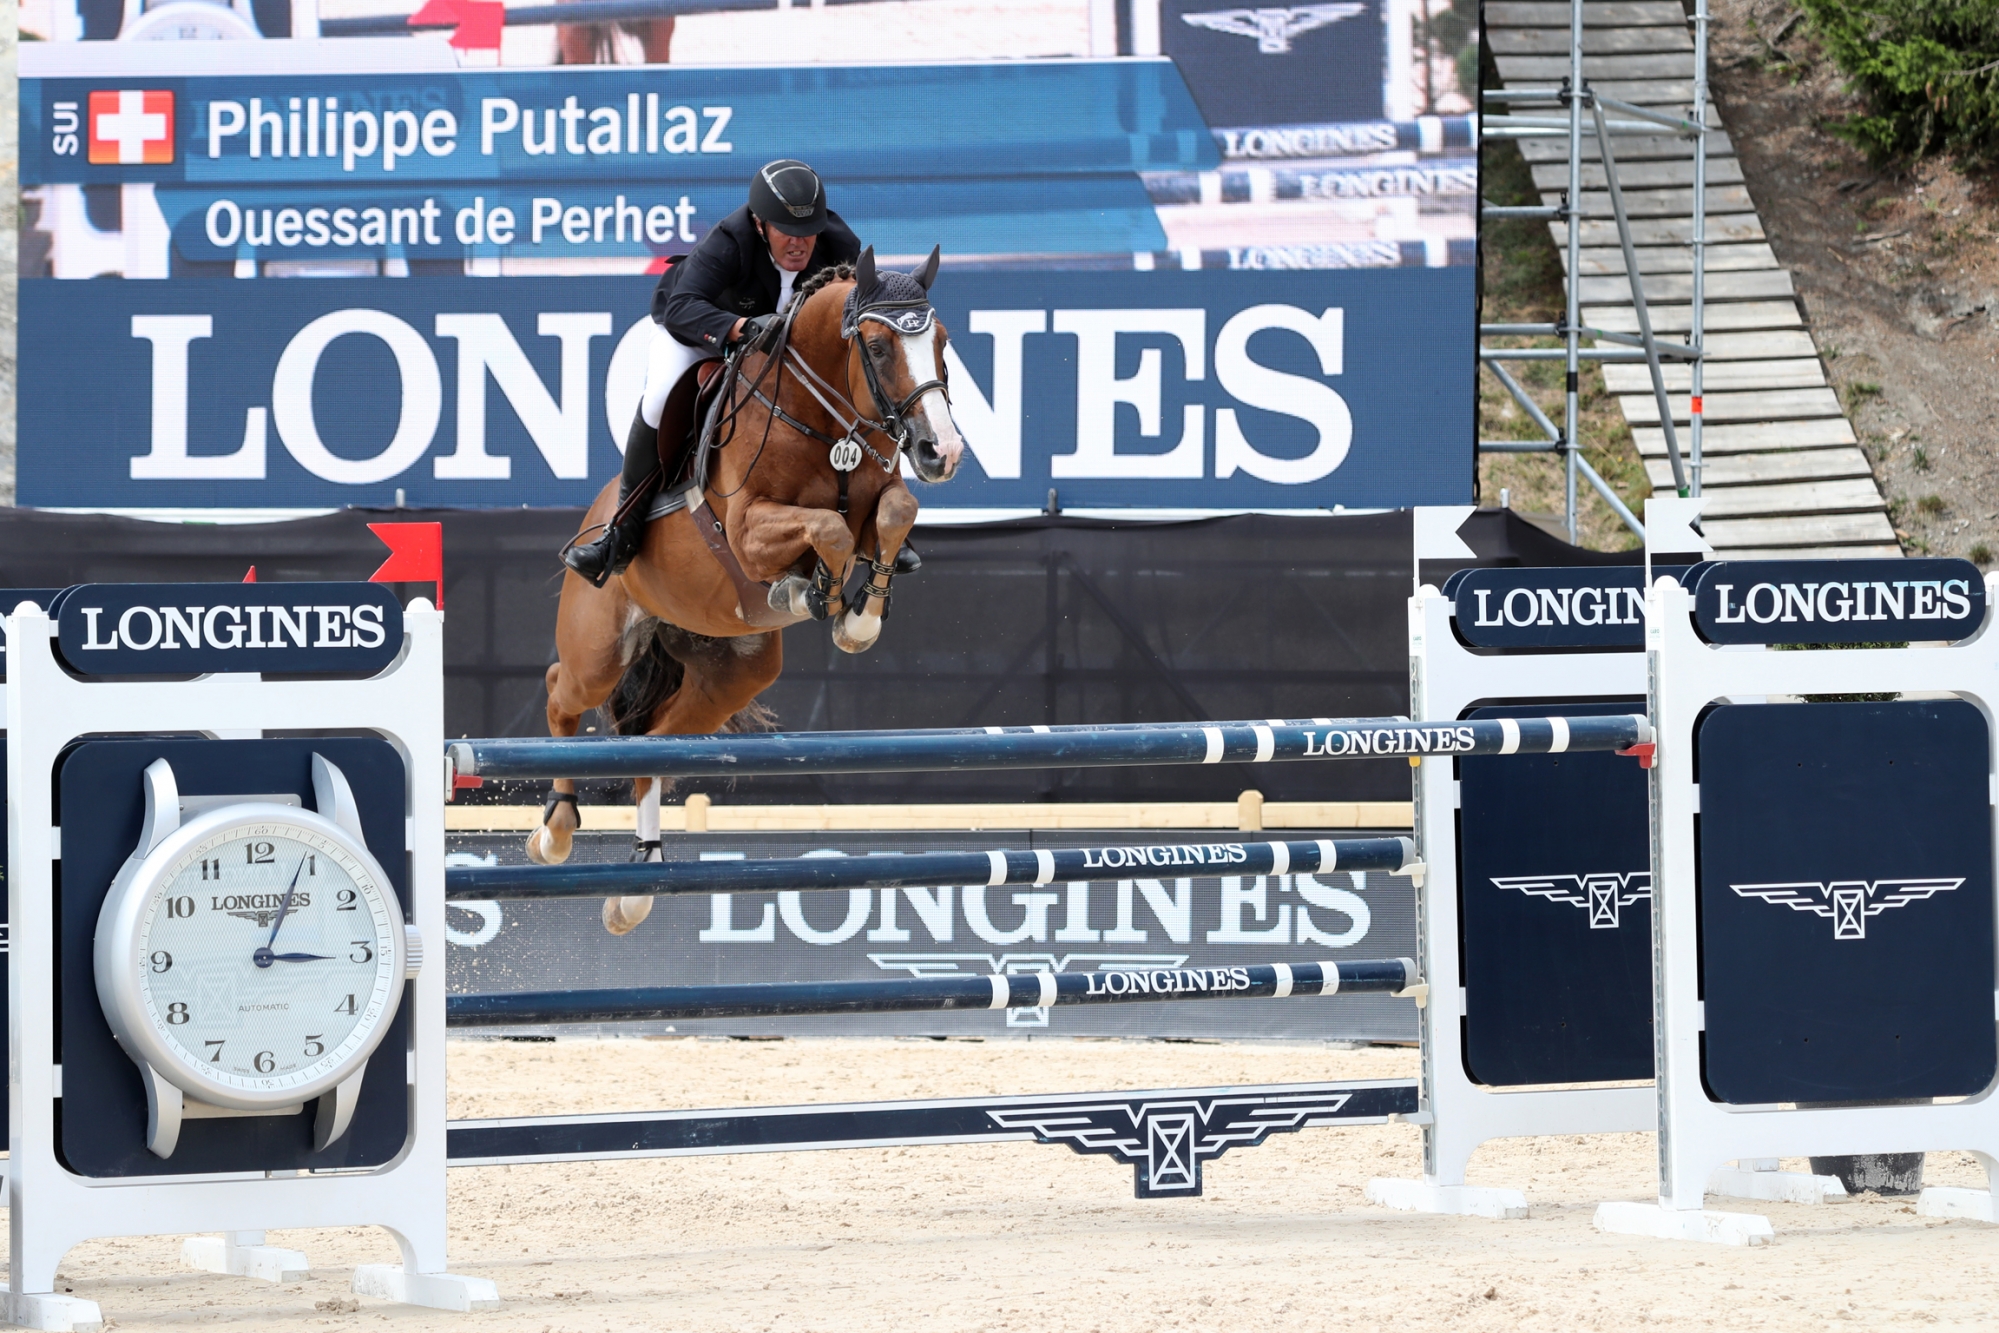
point(101, 1119)
point(1555, 906)
point(1846, 901)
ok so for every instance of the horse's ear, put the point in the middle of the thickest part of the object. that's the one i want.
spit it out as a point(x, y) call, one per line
point(864, 272)
point(928, 273)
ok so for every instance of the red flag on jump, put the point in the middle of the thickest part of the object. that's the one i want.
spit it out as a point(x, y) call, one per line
point(416, 555)
point(477, 22)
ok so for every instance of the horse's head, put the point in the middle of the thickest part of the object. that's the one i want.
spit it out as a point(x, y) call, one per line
point(900, 367)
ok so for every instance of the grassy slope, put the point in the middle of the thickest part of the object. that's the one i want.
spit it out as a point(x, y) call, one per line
point(1523, 284)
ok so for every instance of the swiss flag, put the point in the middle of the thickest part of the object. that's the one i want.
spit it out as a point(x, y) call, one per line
point(131, 128)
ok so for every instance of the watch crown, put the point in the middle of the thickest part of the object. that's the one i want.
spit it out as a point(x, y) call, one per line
point(412, 952)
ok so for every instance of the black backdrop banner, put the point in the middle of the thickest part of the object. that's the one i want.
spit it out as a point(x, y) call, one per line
point(1037, 621)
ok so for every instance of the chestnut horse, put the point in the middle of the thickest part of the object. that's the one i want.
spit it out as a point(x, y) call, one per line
point(804, 481)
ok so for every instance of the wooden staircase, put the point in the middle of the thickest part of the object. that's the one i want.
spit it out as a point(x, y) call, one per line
point(1784, 475)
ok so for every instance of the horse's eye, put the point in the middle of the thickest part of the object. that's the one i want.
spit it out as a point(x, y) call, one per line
point(878, 349)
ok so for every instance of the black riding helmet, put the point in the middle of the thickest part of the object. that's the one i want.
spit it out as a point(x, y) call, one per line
point(789, 195)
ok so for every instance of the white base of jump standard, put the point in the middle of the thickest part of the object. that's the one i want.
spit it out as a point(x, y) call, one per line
point(1419, 1196)
point(1977, 1205)
point(1416, 1196)
point(1661, 1223)
point(1736, 1182)
point(439, 1291)
point(243, 1254)
point(54, 1312)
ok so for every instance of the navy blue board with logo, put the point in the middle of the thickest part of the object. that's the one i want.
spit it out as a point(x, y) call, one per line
point(1846, 915)
point(1542, 610)
point(100, 800)
point(1555, 904)
point(146, 629)
point(1843, 601)
point(1254, 67)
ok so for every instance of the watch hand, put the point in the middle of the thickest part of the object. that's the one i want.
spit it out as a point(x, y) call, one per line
point(286, 905)
point(301, 957)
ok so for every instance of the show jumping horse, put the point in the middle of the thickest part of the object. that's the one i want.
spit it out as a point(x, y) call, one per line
point(804, 481)
point(597, 43)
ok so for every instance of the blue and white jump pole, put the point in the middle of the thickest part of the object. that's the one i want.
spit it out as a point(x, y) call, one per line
point(1389, 976)
point(926, 869)
point(775, 753)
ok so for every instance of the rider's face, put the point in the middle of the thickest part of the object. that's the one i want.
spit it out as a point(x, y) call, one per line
point(790, 253)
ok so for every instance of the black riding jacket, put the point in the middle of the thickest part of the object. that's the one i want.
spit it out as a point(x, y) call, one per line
point(730, 275)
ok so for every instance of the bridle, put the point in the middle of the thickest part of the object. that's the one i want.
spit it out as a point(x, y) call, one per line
point(907, 319)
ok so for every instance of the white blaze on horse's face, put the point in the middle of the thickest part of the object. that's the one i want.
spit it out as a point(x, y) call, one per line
point(935, 445)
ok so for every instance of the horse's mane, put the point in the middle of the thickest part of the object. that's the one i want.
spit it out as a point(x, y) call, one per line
point(823, 278)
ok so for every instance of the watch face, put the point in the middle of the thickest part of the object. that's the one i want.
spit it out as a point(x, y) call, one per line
point(265, 954)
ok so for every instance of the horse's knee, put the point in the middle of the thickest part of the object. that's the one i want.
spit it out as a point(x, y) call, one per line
point(896, 512)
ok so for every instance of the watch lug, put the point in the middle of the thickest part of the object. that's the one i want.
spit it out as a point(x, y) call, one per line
point(162, 810)
point(163, 1107)
point(332, 797)
point(336, 1108)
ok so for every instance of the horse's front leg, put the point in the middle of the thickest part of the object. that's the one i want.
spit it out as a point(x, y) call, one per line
point(773, 537)
point(883, 534)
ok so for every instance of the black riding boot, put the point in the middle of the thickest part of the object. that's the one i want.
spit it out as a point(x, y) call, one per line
point(620, 542)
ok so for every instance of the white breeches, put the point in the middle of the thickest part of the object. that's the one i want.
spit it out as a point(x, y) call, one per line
point(666, 361)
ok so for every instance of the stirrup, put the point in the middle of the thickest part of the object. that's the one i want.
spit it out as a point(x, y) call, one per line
point(592, 560)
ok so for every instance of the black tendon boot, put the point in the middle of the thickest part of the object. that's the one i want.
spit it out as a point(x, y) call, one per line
point(597, 561)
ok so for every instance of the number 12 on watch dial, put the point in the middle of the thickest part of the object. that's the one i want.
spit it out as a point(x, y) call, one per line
point(251, 958)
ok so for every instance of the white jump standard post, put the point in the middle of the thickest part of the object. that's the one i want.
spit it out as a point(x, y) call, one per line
point(1448, 678)
point(1691, 676)
point(53, 1207)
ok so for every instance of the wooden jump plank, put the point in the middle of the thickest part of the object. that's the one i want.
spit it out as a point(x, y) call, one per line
point(1729, 317)
point(1887, 551)
point(1756, 285)
point(1530, 14)
point(970, 818)
point(1773, 405)
point(1725, 470)
point(1726, 229)
point(1510, 41)
point(1801, 530)
point(1605, 261)
point(1851, 496)
point(1752, 437)
point(1670, 95)
point(1522, 70)
point(1666, 203)
point(1627, 148)
point(1634, 176)
point(1722, 376)
point(1776, 344)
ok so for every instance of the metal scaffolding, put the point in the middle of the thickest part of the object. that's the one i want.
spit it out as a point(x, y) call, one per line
point(1508, 113)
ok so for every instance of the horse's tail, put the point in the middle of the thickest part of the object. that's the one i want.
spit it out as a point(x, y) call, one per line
point(653, 672)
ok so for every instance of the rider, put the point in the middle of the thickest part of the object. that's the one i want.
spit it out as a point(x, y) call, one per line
point(727, 292)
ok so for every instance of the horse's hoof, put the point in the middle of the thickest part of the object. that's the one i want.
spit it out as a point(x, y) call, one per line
point(856, 633)
point(790, 596)
point(623, 915)
point(544, 850)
